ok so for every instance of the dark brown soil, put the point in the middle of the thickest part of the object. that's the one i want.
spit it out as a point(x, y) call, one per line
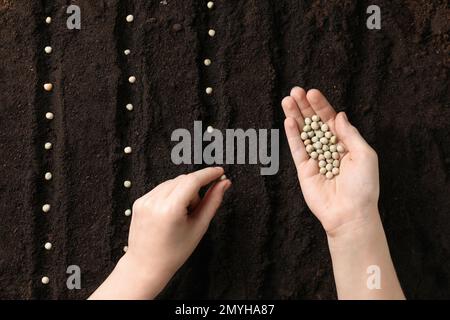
point(264, 242)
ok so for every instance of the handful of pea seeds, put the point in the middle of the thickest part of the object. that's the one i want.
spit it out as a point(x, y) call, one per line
point(322, 146)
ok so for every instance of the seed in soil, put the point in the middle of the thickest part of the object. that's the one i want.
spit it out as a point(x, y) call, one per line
point(48, 20)
point(45, 280)
point(49, 116)
point(130, 18)
point(47, 146)
point(210, 4)
point(129, 107)
point(48, 246)
point(127, 52)
point(127, 184)
point(48, 87)
point(128, 212)
point(207, 62)
point(209, 90)
point(48, 49)
point(127, 150)
point(132, 79)
point(212, 32)
point(46, 208)
point(48, 176)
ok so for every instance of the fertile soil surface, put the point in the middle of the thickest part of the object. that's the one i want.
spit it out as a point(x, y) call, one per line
point(264, 242)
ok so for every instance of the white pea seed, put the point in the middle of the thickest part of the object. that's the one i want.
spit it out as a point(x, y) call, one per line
point(336, 163)
point(127, 150)
point(320, 151)
point(210, 4)
point(329, 175)
point(223, 177)
point(335, 155)
point(45, 280)
point(128, 212)
point(48, 87)
point(321, 157)
point(48, 20)
point(132, 79)
point(327, 154)
point(323, 140)
point(314, 155)
point(324, 127)
point(319, 134)
point(329, 167)
point(212, 32)
point(318, 146)
point(322, 164)
point(46, 208)
point(314, 125)
point(207, 62)
point(307, 128)
point(308, 121)
point(333, 148)
point(333, 139)
point(130, 18)
point(209, 90)
point(328, 134)
point(325, 147)
point(323, 171)
point(129, 107)
point(48, 49)
point(127, 184)
point(48, 176)
point(330, 161)
point(309, 148)
point(48, 246)
point(125, 248)
point(304, 136)
point(210, 129)
point(307, 142)
point(49, 116)
point(340, 148)
point(127, 52)
point(311, 134)
point(315, 118)
point(335, 171)
point(47, 146)
point(314, 139)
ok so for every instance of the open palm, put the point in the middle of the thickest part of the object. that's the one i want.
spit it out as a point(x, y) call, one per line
point(351, 194)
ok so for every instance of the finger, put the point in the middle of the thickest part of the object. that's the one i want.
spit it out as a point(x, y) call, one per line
point(296, 144)
point(299, 94)
point(207, 208)
point(320, 105)
point(291, 110)
point(348, 134)
point(188, 186)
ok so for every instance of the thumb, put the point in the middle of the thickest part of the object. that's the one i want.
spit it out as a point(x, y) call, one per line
point(348, 134)
point(207, 208)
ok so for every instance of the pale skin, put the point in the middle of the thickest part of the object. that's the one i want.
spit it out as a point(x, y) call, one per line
point(166, 227)
point(169, 222)
point(347, 205)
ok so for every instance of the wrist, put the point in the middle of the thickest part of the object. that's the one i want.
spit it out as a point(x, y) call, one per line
point(146, 282)
point(366, 223)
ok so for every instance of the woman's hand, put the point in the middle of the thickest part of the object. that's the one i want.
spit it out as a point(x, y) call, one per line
point(350, 197)
point(167, 225)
